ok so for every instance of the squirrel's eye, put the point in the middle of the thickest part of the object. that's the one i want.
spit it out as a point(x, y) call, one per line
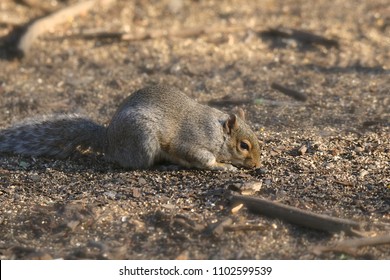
point(244, 146)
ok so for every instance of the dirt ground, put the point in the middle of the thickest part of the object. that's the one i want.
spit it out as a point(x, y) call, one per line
point(85, 208)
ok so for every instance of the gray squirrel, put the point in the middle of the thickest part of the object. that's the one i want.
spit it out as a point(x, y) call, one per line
point(153, 124)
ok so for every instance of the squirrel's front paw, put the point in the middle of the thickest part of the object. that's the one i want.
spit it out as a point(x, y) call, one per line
point(224, 167)
point(230, 167)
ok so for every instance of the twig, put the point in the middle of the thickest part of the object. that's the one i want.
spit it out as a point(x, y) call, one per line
point(377, 121)
point(350, 245)
point(186, 222)
point(365, 241)
point(218, 228)
point(245, 228)
point(228, 102)
point(296, 215)
point(345, 183)
point(302, 36)
point(160, 34)
point(255, 101)
point(290, 92)
point(184, 33)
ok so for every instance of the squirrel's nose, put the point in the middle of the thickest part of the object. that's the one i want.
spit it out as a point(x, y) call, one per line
point(256, 164)
point(253, 164)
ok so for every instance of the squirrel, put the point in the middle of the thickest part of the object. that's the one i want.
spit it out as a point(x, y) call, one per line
point(154, 124)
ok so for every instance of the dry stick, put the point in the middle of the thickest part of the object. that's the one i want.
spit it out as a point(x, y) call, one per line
point(344, 183)
point(186, 33)
point(289, 92)
point(302, 36)
point(227, 102)
point(42, 25)
point(218, 228)
point(158, 34)
point(255, 101)
point(365, 241)
point(349, 245)
point(296, 215)
point(245, 228)
point(197, 31)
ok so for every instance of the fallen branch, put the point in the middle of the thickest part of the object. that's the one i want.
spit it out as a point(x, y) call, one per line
point(296, 215)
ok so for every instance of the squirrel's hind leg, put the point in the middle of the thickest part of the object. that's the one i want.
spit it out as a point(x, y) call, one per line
point(133, 151)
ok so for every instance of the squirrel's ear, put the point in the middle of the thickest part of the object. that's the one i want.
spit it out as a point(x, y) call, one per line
point(230, 124)
point(241, 113)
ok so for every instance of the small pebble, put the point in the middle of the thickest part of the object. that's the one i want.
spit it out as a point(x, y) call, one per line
point(302, 150)
point(363, 173)
point(359, 149)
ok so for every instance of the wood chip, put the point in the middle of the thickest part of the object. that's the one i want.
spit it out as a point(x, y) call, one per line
point(168, 206)
point(237, 208)
point(183, 255)
point(250, 188)
point(302, 150)
point(73, 224)
point(136, 192)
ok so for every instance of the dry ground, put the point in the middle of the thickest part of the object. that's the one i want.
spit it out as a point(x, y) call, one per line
point(85, 208)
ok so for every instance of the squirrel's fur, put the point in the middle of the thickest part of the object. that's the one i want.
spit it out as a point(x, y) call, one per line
point(153, 124)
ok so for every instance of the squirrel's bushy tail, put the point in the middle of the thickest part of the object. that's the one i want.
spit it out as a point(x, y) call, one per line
point(55, 136)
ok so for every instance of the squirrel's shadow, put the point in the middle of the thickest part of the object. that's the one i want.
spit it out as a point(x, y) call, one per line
point(79, 162)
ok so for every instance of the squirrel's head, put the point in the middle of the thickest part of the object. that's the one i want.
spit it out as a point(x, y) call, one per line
point(242, 143)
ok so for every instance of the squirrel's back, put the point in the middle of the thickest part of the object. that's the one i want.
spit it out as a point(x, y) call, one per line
point(164, 102)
